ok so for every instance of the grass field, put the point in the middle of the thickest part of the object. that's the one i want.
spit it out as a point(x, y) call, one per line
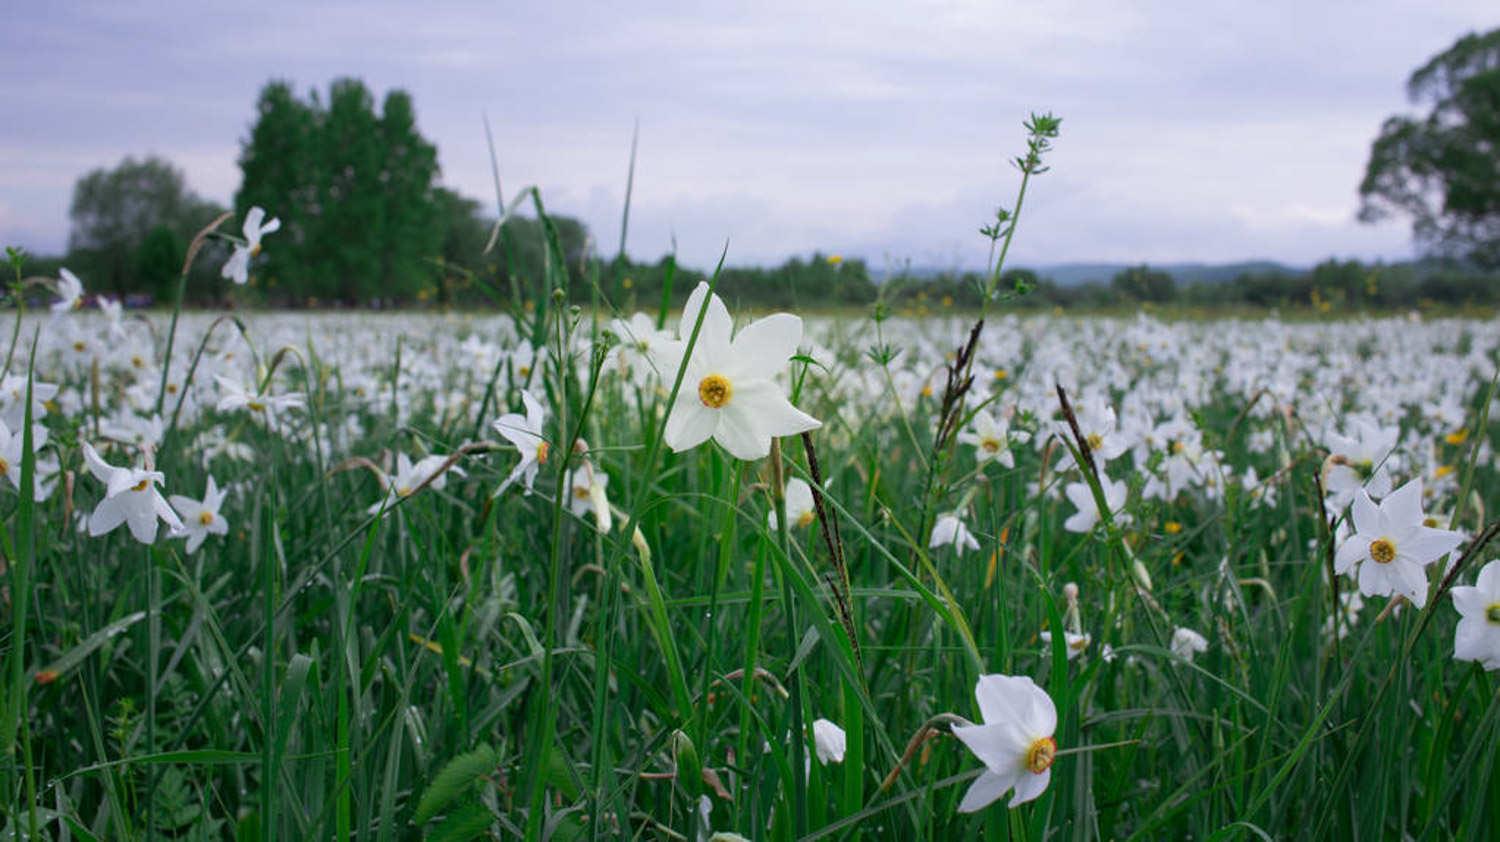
point(642, 634)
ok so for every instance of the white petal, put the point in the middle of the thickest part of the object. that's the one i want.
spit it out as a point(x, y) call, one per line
point(690, 425)
point(763, 347)
point(986, 789)
point(1404, 505)
point(1366, 514)
point(1029, 785)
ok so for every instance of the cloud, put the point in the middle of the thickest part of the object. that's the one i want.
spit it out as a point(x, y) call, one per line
point(1210, 131)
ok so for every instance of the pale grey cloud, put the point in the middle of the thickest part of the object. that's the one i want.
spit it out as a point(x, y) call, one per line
point(1203, 131)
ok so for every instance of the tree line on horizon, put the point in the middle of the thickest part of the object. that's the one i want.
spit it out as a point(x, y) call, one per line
point(365, 222)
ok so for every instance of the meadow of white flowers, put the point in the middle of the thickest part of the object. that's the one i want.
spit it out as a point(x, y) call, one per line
point(599, 573)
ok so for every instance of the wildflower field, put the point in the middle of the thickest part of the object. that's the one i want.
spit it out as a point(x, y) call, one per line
point(582, 573)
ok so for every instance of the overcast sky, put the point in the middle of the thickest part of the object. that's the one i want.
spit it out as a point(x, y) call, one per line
point(1192, 131)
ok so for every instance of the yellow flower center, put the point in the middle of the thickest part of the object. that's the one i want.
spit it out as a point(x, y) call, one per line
point(255, 406)
point(1442, 471)
point(206, 518)
point(581, 492)
point(255, 250)
point(990, 445)
point(1383, 550)
point(1492, 613)
point(403, 491)
point(80, 346)
point(1095, 441)
point(1001, 374)
point(141, 486)
point(524, 371)
point(541, 453)
point(1041, 754)
point(1172, 527)
point(806, 519)
point(4, 466)
point(136, 361)
point(1457, 438)
point(715, 391)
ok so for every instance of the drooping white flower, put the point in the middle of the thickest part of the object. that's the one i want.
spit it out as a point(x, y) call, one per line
point(828, 741)
point(1477, 637)
point(69, 292)
point(201, 518)
point(1391, 547)
point(950, 530)
point(798, 505)
point(1015, 742)
point(1186, 643)
point(525, 432)
point(728, 393)
point(237, 267)
point(1088, 510)
point(130, 497)
point(588, 492)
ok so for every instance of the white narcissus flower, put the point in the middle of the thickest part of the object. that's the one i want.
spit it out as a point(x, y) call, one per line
point(13, 400)
point(11, 452)
point(990, 439)
point(1186, 643)
point(588, 492)
point(1087, 515)
point(632, 357)
point(525, 432)
point(237, 267)
point(201, 518)
point(828, 741)
point(950, 530)
point(130, 497)
point(1391, 547)
point(410, 476)
point(69, 292)
point(1015, 742)
point(1076, 642)
point(728, 393)
point(234, 397)
point(1358, 462)
point(1478, 635)
point(798, 505)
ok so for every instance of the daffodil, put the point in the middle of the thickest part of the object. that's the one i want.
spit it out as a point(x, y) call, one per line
point(525, 432)
point(1186, 643)
point(1478, 635)
point(201, 518)
point(798, 505)
point(990, 439)
point(237, 267)
point(130, 497)
point(1391, 546)
point(728, 391)
point(950, 530)
point(69, 292)
point(12, 450)
point(1087, 515)
point(828, 741)
point(1015, 742)
point(233, 397)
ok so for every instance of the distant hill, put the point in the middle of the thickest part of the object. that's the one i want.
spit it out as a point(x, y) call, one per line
point(1073, 274)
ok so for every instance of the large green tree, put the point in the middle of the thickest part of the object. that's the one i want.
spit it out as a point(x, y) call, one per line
point(113, 212)
point(1443, 170)
point(355, 190)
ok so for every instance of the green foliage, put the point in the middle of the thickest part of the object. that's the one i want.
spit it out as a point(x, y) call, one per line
point(1442, 169)
point(1142, 283)
point(355, 191)
point(114, 211)
point(456, 780)
point(158, 262)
